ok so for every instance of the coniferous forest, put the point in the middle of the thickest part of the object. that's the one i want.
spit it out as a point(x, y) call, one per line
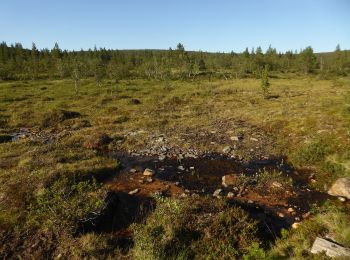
point(17, 62)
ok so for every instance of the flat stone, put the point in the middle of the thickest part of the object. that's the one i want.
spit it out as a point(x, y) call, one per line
point(181, 168)
point(217, 193)
point(330, 248)
point(148, 172)
point(234, 138)
point(254, 139)
point(341, 188)
point(134, 191)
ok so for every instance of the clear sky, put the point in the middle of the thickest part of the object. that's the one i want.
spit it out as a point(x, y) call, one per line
point(208, 25)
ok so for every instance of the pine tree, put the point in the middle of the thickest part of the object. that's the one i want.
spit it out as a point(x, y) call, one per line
point(265, 84)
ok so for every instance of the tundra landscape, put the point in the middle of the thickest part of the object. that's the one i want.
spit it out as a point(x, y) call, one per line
point(174, 154)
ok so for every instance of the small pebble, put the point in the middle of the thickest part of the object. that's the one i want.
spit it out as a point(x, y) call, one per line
point(342, 199)
point(148, 172)
point(134, 191)
point(230, 195)
point(295, 225)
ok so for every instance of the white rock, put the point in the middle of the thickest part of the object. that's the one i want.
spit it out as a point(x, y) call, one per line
point(254, 139)
point(181, 168)
point(331, 249)
point(342, 199)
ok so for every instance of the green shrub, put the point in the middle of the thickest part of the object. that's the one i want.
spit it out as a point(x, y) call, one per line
point(65, 204)
point(314, 152)
point(56, 116)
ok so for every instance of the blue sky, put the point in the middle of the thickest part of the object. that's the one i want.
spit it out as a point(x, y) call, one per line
point(206, 25)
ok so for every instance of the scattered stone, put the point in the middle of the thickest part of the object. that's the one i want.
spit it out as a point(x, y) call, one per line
point(229, 180)
point(254, 139)
point(181, 168)
point(134, 191)
point(331, 249)
point(341, 188)
point(161, 157)
point(313, 181)
point(133, 170)
point(295, 225)
point(192, 168)
point(276, 184)
point(177, 183)
point(183, 195)
point(141, 181)
point(342, 199)
point(158, 193)
point(234, 138)
point(280, 214)
point(290, 210)
point(230, 195)
point(250, 201)
point(297, 219)
point(217, 193)
point(148, 172)
point(226, 149)
point(149, 180)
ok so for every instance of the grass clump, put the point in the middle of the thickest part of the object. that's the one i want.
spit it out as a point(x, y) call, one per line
point(313, 152)
point(56, 116)
point(65, 204)
point(330, 220)
point(194, 228)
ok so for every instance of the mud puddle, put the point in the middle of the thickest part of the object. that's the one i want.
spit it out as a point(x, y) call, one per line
point(274, 208)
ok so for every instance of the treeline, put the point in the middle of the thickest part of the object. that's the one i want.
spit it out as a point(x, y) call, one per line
point(17, 62)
